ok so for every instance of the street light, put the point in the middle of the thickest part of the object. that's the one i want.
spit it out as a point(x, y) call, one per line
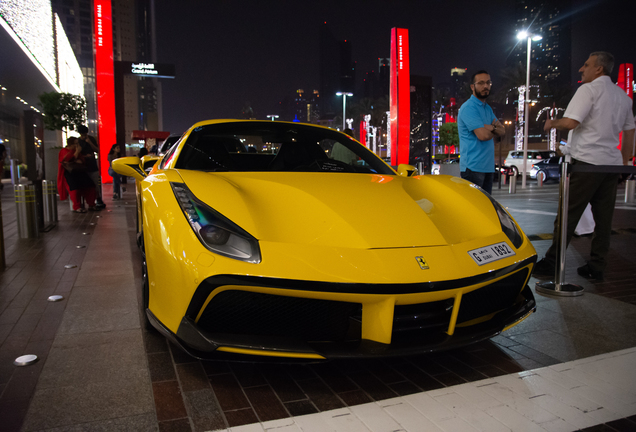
point(272, 116)
point(344, 106)
point(530, 37)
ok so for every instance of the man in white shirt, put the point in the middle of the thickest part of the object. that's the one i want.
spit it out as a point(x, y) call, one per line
point(596, 115)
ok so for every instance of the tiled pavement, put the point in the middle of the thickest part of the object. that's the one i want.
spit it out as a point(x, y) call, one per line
point(99, 370)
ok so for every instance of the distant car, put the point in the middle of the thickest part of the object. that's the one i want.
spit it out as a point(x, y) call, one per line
point(435, 168)
point(505, 170)
point(547, 169)
point(312, 247)
point(515, 159)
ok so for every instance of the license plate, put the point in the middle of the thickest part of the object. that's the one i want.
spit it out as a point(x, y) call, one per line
point(491, 253)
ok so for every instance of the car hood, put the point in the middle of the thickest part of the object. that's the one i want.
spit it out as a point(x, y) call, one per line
point(348, 210)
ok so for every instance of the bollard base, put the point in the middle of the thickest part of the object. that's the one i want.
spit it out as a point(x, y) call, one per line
point(564, 290)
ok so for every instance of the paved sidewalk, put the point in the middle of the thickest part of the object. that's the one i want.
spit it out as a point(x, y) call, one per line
point(99, 370)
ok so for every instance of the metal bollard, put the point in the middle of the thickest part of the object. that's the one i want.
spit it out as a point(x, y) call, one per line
point(49, 200)
point(504, 178)
point(539, 179)
point(15, 171)
point(26, 211)
point(513, 184)
point(630, 187)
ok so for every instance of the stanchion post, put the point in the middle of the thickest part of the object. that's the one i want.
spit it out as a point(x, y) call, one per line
point(539, 179)
point(630, 188)
point(15, 171)
point(49, 199)
point(559, 287)
point(26, 211)
point(512, 188)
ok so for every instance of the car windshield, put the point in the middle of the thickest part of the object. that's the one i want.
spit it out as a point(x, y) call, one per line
point(275, 146)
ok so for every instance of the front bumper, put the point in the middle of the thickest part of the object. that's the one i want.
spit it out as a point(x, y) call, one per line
point(273, 317)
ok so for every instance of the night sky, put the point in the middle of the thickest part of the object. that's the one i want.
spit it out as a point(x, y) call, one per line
point(229, 52)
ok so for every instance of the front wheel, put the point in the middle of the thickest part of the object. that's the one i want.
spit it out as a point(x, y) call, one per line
point(145, 287)
point(542, 175)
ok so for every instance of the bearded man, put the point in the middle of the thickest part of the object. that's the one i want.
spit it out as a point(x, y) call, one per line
point(477, 126)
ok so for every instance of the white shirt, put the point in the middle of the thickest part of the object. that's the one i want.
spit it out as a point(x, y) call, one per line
point(603, 111)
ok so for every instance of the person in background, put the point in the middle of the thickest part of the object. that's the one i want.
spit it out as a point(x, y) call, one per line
point(113, 154)
point(72, 177)
point(477, 126)
point(143, 152)
point(596, 115)
point(90, 150)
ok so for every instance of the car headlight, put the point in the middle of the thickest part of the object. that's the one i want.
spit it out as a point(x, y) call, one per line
point(508, 226)
point(216, 232)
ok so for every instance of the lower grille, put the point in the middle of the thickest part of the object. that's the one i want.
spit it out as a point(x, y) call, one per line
point(422, 316)
point(491, 298)
point(248, 313)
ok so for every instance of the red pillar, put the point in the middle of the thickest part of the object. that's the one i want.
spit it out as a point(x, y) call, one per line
point(400, 97)
point(105, 82)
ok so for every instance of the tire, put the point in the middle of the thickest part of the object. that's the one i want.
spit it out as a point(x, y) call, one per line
point(145, 287)
point(544, 176)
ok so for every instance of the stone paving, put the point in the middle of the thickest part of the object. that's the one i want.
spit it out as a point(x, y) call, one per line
point(100, 370)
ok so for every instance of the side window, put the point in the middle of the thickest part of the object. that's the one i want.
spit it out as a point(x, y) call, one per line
point(168, 156)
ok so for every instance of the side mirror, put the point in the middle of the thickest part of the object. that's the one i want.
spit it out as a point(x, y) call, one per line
point(129, 166)
point(149, 161)
point(405, 170)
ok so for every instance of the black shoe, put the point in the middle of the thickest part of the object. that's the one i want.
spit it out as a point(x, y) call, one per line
point(100, 206)
point(543, 269)
point(587, 272)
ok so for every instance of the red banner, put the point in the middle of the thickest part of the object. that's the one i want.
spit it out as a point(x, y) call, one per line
point(400, 97)
point(105, 82)
point(625, 78)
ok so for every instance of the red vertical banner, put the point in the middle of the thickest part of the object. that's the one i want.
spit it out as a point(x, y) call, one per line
point(105, 81)
point(363, 133)
point(625, 78)
point(400, 97)
point(625, 82)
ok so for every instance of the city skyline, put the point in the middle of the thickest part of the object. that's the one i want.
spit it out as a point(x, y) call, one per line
point(227, 54)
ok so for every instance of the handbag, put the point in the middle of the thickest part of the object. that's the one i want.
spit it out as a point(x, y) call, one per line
point(74, 167)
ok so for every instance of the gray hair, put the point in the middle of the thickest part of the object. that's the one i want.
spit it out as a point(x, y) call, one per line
point(604, 59)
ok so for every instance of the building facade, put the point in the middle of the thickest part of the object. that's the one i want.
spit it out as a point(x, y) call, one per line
point(36, 58)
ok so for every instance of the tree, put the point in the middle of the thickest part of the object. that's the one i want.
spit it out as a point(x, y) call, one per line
point(449, 135)
point(63, 110)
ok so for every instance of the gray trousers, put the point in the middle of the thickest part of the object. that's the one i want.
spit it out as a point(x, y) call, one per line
point(599, 190)
point(97, 179)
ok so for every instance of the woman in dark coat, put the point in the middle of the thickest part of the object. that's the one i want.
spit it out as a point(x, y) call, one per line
point(72, 178)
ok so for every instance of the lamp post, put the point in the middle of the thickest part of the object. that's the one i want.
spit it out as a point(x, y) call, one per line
point(272, 116)
point(530, 37)
point(344, 106)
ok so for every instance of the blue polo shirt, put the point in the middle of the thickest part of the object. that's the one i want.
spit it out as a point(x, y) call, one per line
point(476, 155)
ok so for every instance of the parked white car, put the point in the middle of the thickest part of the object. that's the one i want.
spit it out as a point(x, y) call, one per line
point(514, 160)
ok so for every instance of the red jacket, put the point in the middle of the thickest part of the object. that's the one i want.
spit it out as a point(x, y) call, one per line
point(66, 155)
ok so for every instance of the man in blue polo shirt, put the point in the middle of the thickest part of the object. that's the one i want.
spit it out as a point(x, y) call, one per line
point(477, 126)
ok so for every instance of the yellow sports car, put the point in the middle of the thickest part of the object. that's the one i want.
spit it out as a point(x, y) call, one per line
point(294, 240)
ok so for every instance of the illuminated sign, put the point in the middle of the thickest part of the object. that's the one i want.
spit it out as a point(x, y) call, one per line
point(105, 81)
point(400, 97)
point(626, 78)
point(153, 70)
